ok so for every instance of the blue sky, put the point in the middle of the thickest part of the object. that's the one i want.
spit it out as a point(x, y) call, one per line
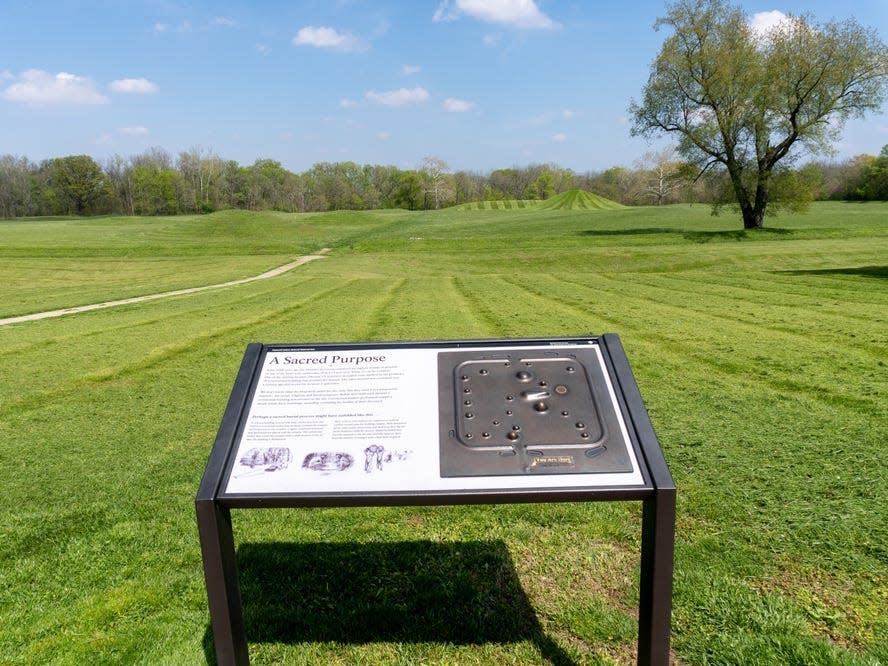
point(481, 84)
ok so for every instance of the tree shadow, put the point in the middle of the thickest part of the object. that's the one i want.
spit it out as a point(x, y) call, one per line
point(734, 234)
point(694, 236)
point(862, 271)
point(463, 593)
point(641, 231)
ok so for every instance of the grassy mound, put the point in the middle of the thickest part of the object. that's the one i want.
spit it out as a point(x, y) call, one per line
point(579, 200)
point(508, 204)
point(570, 200)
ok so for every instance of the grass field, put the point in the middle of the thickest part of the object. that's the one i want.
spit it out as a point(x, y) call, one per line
point(761, 356)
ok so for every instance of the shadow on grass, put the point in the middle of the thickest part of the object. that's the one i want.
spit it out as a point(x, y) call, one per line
point(695, 236)
point(734, 234)
point(642, 231)
point(862, 271)
point(464, 593)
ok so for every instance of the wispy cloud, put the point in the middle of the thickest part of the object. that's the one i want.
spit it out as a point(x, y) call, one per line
point(263, 49)
point(454, 105)
point(184, 26)
point(399, 97)
point(135, 86)
point(136, 130)
point(187, 26)
point(407, 70)
point(326, 38)
point(559, 138)
point(522, 14)
point(38, 88)
point(347, 103)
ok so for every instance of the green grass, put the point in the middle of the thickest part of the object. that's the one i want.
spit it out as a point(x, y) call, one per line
point(579, 200)
point(570, 200)
point(761, 356)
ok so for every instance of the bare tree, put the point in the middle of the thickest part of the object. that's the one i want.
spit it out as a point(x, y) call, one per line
point(15, 185)
point(437, 181)
point(662, 174)
point(200, 169)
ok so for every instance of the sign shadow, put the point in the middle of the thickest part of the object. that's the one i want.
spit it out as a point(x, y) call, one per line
point(462, 593)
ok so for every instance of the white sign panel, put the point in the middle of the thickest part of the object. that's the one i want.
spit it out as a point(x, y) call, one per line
point(367, 420)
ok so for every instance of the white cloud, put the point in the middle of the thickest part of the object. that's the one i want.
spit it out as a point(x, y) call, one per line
point(399, 97)
point(568, 114)
point(137, 86)
point(383, 136)
point(492, 39)
point(223, 21)
point(325, 38)
point(347, 103)
point(136, 130)
point(407, 70)
point(763, 22)
point(38, 88)
point(159, 28)
point(516, 13)
point(458, 105)
point(263, 49)
point(559, 138)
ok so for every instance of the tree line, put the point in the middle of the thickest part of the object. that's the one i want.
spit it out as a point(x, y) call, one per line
point(199, 181)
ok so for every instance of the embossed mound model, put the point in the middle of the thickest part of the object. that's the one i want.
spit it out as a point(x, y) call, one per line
point(527, 412)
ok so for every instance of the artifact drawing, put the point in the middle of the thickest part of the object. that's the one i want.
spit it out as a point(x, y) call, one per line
point(375, 456)
point(373, 453)
point(268, 459)
point(328, 461)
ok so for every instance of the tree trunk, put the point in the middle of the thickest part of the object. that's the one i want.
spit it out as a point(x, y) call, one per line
point(753, 218)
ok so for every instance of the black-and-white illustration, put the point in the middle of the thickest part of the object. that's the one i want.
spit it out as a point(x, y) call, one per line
point(373, 453)
point(328, 461)
point(375, 456)
point(267, 459)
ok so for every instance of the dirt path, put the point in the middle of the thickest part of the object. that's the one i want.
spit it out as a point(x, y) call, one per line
point(166, 294)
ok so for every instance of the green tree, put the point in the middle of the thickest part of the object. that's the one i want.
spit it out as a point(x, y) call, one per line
point(154, 190)
point(409, 194)
point(744, 100)
point(873, 181)
point(543, 187)
point(80, 181)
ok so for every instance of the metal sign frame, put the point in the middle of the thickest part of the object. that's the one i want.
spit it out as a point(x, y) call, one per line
point(653, 486)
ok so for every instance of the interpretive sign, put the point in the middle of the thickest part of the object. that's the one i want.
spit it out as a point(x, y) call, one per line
point(435, 423)
point(431, 419)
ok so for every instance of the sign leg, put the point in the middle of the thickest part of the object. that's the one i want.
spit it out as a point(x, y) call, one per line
point(223, 587)
point(655, 598)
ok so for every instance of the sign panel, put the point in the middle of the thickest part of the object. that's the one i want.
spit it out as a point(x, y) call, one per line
point(327, 420)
